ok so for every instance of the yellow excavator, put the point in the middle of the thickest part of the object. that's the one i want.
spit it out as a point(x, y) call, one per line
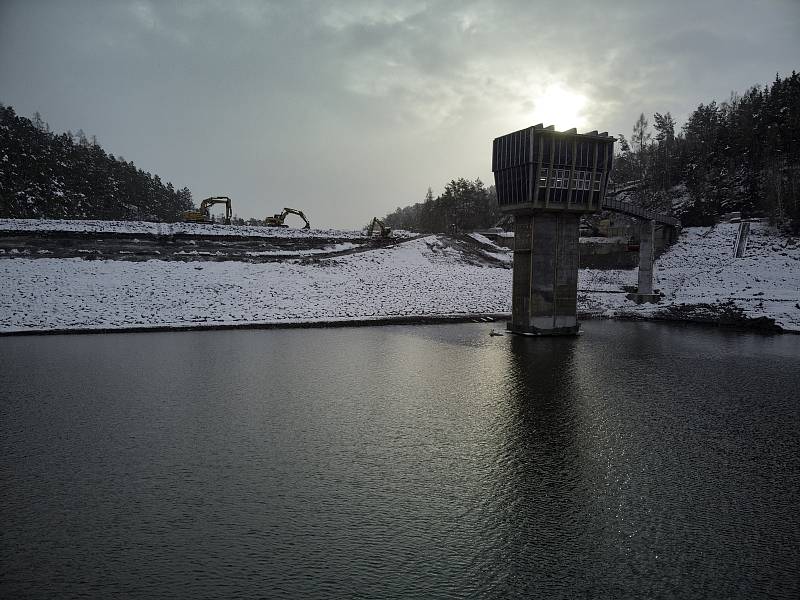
point(385, 232)
point(278, 220)
point(203, 214)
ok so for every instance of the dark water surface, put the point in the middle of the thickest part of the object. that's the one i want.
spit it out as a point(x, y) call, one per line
point(638, 460)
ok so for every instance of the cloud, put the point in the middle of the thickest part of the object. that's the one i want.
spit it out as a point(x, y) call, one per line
point(353, 108)
point(143, 13)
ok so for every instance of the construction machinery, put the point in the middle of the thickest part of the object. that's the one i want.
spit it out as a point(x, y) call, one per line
point(203, 214)
point(385, 232)
point(278, 220)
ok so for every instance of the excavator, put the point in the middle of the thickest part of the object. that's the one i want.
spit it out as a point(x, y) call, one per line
point(203, 215)
point(384, 230)
point(278, 220)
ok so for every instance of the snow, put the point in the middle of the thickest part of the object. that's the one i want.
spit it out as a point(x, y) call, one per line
point(147, 227)
point(323, 250)
point(422, 277)
point(700, 269)
point(482, 239)
point(764, 283)
point(603, 240)
point(497, 252)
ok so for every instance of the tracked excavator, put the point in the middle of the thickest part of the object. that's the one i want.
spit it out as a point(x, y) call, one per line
point(203, 214)
point(385, 232)
point(278, 220)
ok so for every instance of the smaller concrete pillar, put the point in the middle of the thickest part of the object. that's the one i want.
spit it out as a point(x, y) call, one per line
point(646, 243)
point(644, 292)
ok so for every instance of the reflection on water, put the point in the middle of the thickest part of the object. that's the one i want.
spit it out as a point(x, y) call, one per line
point(636, 460)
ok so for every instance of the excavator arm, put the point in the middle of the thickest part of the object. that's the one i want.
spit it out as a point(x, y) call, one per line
point(203, 214)
point(385, 231)
point(299, 213)
point(278, 220)
point(206, 204)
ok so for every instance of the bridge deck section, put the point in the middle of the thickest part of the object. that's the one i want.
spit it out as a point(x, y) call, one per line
point(626, 208)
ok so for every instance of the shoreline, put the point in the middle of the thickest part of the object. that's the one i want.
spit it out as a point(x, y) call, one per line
point(741, 323)
point(433, 279)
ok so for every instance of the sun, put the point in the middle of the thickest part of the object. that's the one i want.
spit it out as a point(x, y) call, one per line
point(559, 106)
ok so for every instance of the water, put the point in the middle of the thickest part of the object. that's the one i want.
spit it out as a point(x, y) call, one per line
point(638, 460)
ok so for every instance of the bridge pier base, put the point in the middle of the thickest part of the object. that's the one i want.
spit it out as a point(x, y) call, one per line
point(644, 291)
point(545, 280)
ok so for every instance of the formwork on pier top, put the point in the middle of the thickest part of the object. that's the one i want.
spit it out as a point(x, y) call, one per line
point(540, 169)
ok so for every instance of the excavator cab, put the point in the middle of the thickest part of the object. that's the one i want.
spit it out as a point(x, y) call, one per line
point(203, 214)
point(278, 220)
point(385, 232)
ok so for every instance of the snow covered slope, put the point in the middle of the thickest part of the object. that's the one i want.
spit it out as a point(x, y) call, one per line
point(423, 277)
point(146, 227)
point(700, 271)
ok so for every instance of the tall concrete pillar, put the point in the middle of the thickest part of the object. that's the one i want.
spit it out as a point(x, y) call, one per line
point(646, 257)
point(547, 179)
point(545, 280)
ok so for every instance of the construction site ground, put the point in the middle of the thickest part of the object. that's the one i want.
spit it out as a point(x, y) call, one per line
point(190, 247)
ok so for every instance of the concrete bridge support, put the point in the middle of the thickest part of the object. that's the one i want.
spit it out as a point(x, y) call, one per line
point(645, 292)
point(646, 257)
point(545, 282)
point(547, 179)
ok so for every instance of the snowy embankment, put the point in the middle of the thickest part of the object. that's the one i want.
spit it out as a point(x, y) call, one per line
point(702, 281)
point(166, 229)
point(422, 278)
point(418, 278)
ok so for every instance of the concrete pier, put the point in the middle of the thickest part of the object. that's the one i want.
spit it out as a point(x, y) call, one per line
point(547, 179)
point(644, 291)
point(545, 282)
point(646, 257)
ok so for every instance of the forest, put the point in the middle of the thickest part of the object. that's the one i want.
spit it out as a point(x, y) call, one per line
point(463, 206)
point(66, 176)
point(739, 155)
point(742, 154)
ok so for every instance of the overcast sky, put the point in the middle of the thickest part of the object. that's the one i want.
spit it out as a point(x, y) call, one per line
point(349, 109)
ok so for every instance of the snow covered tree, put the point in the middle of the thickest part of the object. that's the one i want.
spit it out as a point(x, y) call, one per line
point(45, 175)
point(38, 122)
point(665, 138)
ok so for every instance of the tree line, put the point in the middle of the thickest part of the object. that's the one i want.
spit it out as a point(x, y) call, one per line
point(66, 176)
point(465, 205)
point(739, 155)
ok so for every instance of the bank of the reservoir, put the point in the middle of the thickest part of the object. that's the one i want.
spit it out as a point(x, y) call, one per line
point(423, 280)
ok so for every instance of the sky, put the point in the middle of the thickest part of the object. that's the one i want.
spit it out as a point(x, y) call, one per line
point(349, 109)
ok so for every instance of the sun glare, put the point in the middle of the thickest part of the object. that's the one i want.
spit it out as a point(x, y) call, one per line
point(559, 106)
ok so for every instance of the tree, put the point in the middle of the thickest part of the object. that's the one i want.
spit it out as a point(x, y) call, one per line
point(641, 135)
point(464, 204)
point(665, 138)
point(38, 122)
point(640, 141)
point(742, 154)
point(47, 175)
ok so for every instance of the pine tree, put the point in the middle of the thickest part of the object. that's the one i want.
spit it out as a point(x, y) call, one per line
point(665, 136)
point(640, 141)
point(47, 175)
point(38, 122)
point(641, 135)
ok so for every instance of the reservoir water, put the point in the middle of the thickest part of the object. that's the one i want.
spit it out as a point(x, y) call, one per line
point(637, 460)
